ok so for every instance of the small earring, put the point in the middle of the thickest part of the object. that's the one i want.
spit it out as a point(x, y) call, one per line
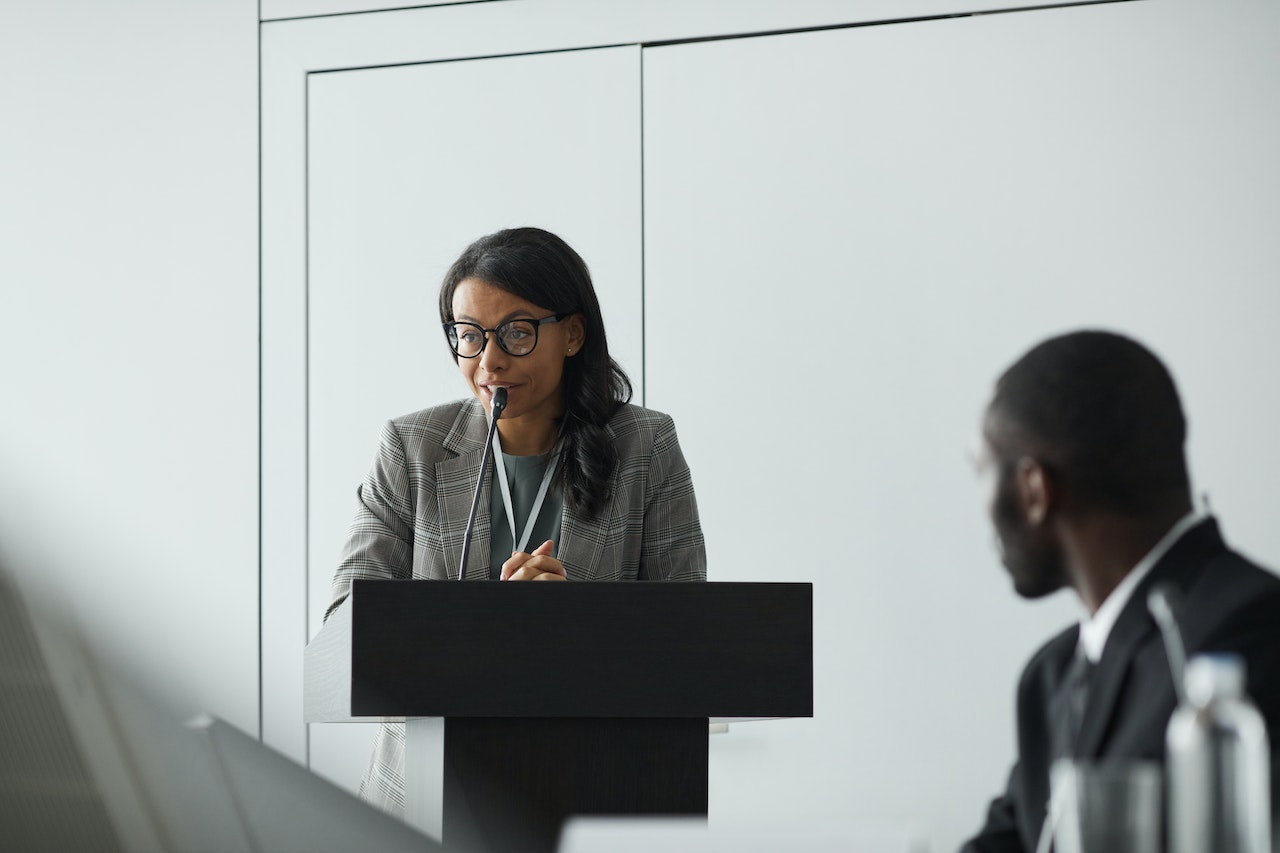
point(570, 350)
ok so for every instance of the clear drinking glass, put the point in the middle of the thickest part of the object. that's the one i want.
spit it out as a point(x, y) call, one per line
point(1106, 807)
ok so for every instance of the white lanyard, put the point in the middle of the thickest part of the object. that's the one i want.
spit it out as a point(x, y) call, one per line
point(506, 491)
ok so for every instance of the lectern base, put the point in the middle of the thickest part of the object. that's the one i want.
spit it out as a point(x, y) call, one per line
point(510, 783)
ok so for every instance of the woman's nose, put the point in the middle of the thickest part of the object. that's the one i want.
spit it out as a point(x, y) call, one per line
point(493, 355)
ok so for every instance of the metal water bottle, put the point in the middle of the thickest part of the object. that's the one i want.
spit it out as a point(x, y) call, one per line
point(1219, 797)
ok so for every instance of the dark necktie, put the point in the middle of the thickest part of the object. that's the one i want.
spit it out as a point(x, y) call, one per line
point(1072, 699)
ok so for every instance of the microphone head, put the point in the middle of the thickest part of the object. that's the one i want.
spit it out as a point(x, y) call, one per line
point(499, 402)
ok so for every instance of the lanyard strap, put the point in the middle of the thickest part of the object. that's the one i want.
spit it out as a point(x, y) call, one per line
point(506, 491)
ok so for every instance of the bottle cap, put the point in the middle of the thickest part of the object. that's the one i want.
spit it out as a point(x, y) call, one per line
point(1214, 676)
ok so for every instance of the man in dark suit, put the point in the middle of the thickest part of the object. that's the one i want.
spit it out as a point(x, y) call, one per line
point(1083, 448)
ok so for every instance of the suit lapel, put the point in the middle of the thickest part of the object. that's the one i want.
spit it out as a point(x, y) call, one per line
point(1129, 634)
point(455, 485)
point(583, 541)
point(1134, 629)
point(579, 547)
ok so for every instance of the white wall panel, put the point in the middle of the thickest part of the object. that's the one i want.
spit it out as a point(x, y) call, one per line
point(848, 234)
point(504, 27)
point(276, 10)
point(951, 191)
point(291, 50)
point(407, 166)
point(128, 334)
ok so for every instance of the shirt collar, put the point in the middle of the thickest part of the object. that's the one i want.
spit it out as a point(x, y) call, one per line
point(1094, 631)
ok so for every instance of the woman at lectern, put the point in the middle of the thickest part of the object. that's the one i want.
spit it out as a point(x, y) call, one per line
point(583, 485)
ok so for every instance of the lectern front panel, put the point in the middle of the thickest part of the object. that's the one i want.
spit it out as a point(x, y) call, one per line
point(633, 650)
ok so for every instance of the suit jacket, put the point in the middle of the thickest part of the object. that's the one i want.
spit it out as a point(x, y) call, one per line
point(1229, 605)
point(412, 513)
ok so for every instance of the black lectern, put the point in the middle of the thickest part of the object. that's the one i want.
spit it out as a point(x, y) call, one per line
point(559, 699)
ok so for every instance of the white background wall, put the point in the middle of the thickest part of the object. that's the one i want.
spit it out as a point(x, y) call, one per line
point(128, 332)
point(385, 222)
point(893, 214)
point(128, 353)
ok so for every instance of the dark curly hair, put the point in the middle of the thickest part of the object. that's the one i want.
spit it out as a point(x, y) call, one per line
point(539, 267)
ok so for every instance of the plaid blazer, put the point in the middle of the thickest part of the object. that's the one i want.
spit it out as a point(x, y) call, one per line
point(412, 512)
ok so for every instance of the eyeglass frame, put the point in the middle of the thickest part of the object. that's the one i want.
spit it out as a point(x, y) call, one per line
point(537, 325)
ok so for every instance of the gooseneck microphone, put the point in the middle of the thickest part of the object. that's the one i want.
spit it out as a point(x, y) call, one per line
point(1163, 602)
point(496, 405)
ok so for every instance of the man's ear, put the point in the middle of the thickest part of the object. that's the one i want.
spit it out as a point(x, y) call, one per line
point(1036, 491)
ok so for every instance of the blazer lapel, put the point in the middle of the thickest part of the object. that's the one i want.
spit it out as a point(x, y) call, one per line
point(581, 544)
point(1134, 629)
point(455, 485)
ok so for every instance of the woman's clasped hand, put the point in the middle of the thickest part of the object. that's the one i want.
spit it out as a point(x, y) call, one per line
point(538, 566)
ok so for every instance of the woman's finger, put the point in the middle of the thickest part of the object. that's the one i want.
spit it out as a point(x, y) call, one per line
point(513, 564)
point(533, 567)
point(540, 560)
point(545, 564)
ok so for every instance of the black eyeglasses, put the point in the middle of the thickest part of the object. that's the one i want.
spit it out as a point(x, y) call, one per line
point(516, 337)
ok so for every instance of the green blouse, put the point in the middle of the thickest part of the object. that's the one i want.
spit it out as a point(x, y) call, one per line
point(524, 474)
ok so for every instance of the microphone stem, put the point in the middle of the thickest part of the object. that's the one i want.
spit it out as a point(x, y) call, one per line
point(1161, 604)
point(475, 500)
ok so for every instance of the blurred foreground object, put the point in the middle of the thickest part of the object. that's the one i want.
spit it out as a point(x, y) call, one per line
point(87, 763)
point(1219, 799)
point(1102, 806)
point(690, 835)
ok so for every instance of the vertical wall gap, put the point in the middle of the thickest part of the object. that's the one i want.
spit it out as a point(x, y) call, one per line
point(261, 600)
point(306, 385)
point(644, 304)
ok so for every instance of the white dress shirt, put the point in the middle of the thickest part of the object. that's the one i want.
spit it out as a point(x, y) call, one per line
point(1095, 630)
